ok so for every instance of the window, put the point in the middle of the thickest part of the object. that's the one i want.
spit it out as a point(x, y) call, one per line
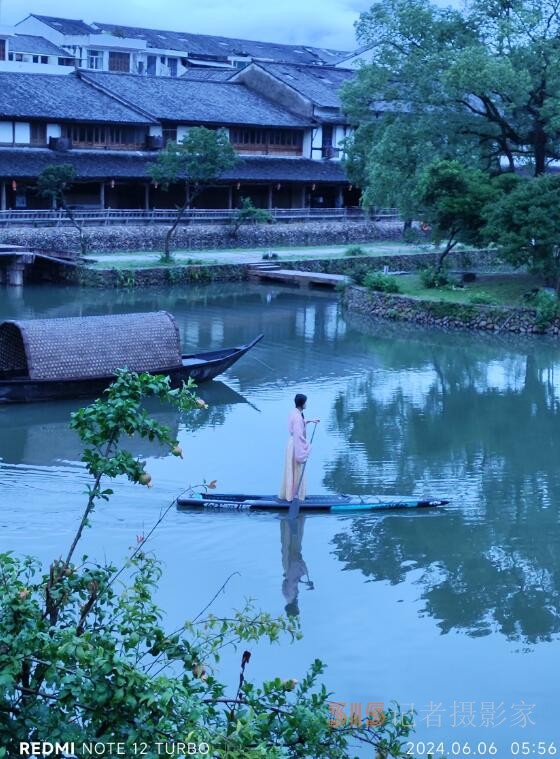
point(95, 60)
point(2, 50)
point(267, 140)
point(105, 136)
point(38, 134)
point(119, 61)
point(151, 66)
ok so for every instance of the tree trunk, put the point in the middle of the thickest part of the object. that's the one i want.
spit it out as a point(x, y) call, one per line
point(189, 197)
point(540, 151)
point(451, 243)
point(80, 227)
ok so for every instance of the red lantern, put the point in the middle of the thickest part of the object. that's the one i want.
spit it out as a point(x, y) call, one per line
point(313, 188)
point(14, 185)
point(112, 184)
point(238, 185)
point(278, 186)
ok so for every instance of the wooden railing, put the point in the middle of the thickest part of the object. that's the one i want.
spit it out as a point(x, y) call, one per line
point(101, 217)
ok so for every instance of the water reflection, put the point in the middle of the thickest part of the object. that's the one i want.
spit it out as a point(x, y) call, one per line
point(483, 425)
point(40, 434)
point(294, 566)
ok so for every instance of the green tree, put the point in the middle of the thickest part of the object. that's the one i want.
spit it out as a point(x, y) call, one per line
point(481, 83)
point(53, 182)
point(249, 214)
point(453, 199)
point(195, 162)
point(85, 656)
point(525, 226)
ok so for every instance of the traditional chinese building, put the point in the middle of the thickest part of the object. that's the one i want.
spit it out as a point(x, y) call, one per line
point(284, 119)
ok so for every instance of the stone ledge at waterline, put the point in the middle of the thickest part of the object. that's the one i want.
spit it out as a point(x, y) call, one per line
point(156, 276)
point(201, 236)
point(444, 314)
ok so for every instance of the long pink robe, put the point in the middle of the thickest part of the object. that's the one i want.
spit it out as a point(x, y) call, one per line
point(297, 452)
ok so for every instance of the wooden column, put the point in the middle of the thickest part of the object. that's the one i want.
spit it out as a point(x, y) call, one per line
point(3, 196)
point(269, 197)
point(339, 198)
point(147, 196)
point(102, 194)
point(230, 197)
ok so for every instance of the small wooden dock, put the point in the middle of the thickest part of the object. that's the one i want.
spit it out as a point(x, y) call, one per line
point(272, 273)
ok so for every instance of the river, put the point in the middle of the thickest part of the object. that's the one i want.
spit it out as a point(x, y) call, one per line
point(455, 613)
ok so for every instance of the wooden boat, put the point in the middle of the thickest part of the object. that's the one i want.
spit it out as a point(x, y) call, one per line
point(334, 503)
point(76, 357)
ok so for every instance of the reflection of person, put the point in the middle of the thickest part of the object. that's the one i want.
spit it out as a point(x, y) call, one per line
point(297, 451)
point(291, 533)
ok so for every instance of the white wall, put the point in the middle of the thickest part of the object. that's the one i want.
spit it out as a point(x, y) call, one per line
point(182, 131)
point(39, 29)
point(155, 130)
point(307, 137)
point(317, 140)
point(23, 133)
point(53, 130)
point(35, 68)
point(6, 132)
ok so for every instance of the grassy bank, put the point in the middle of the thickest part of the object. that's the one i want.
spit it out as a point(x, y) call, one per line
point(498, 289)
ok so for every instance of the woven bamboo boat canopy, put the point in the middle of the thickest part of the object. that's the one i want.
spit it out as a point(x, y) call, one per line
point(89, 346)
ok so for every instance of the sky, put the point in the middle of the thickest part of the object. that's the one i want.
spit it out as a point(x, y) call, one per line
point(324, 23)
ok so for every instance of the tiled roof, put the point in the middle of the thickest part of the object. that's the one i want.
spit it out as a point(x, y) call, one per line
point(29, 43)
point(60, 98)
point(205, 73)
point(221, 47)
point(194, 102)
point(27, 163)
point(320, 84)
point(66, 25)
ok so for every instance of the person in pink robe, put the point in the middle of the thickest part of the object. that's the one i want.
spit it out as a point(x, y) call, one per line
point(297, 452)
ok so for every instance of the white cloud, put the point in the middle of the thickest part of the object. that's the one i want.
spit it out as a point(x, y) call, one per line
point(327, 23)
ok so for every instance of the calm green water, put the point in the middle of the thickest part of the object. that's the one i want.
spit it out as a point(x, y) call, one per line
point(455, 612)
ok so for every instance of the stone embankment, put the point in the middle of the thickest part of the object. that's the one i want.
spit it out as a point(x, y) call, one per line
point(202, 236)
point(444, 314)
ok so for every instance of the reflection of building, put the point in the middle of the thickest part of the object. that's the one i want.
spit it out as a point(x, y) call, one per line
point(131, 90)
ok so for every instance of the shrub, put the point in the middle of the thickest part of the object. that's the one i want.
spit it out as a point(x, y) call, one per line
point(547, 308)
point(431, 277)
point(383, 283)
point(359, 274)
point(354, 250)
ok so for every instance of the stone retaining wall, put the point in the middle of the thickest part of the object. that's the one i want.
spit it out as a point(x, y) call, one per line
point(158, 276)
point(444, 314)
point(202, 236)
point(479, 260)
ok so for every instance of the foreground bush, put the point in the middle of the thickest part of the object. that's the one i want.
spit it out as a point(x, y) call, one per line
point(85, 655)
point(383, 283)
